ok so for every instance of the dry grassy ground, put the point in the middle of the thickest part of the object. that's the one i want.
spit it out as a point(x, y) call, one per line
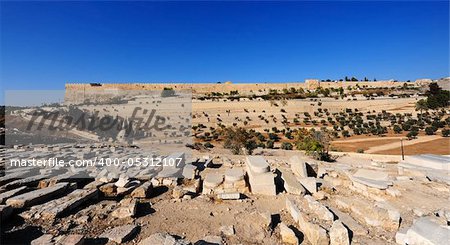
point(389, 144)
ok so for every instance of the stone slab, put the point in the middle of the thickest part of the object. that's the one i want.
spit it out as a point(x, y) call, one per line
point(229, 196)
point(213, 180)
point(142, 191)
point(315, 233)
point(293, 210)
point(319, 209)
point(261, 181)
point(5, 195)
point(352, 224)
point(257, 164)
point(426, 231)
point(291, 183)
point(120, 234)
point(298, 167)
point(339, 234)
point(372, 178)
point(34, 197)
point(310, 184)
point(234, 174)
point(67, 203)
point(287, 235)
point(73, 239)
point(189, 171)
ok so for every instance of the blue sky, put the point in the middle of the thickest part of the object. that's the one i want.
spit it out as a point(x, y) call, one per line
point(46, 44)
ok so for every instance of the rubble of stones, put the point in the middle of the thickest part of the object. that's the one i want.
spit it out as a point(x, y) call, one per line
point(329, 203)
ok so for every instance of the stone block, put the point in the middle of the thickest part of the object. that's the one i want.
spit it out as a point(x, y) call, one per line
point(234, 175)
point(319, 209)
point(120, 234)
point(162, 239)
point(291, 183)
point(74, 239)
point(189, 171)
point(227, 230)
point(126, 209)
point(293, 210)
point(310, 184)
point(287, 235)
point(426, 231)
point(212, 180)
point(257, 164)
point(261, 180)
point(298, 167)
point(315, 234)
point(5, 195)
point(229, 196)
point(339, 234)
point(372, 178)
point(34, 197)
point(45, 239)
point(143, 191)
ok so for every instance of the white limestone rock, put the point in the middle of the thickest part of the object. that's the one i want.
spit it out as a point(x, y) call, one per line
point(339, 234)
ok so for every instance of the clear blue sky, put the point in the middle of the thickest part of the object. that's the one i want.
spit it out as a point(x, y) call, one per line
point(46, 44)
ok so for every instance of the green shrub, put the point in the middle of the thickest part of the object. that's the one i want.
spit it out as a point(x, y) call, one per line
point(286, 146)
point(397, 129)
point(168, 92)
point(430, 130)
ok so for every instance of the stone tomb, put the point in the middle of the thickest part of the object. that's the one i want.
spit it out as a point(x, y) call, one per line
point(261, 179)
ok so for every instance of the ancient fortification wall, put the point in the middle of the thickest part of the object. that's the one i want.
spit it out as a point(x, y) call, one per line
point(81, 91)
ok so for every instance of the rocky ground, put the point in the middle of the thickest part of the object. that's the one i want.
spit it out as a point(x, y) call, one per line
point(276, 197)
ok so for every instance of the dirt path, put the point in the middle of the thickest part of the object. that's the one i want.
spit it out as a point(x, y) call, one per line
point(389, 146)
point(367, 139)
